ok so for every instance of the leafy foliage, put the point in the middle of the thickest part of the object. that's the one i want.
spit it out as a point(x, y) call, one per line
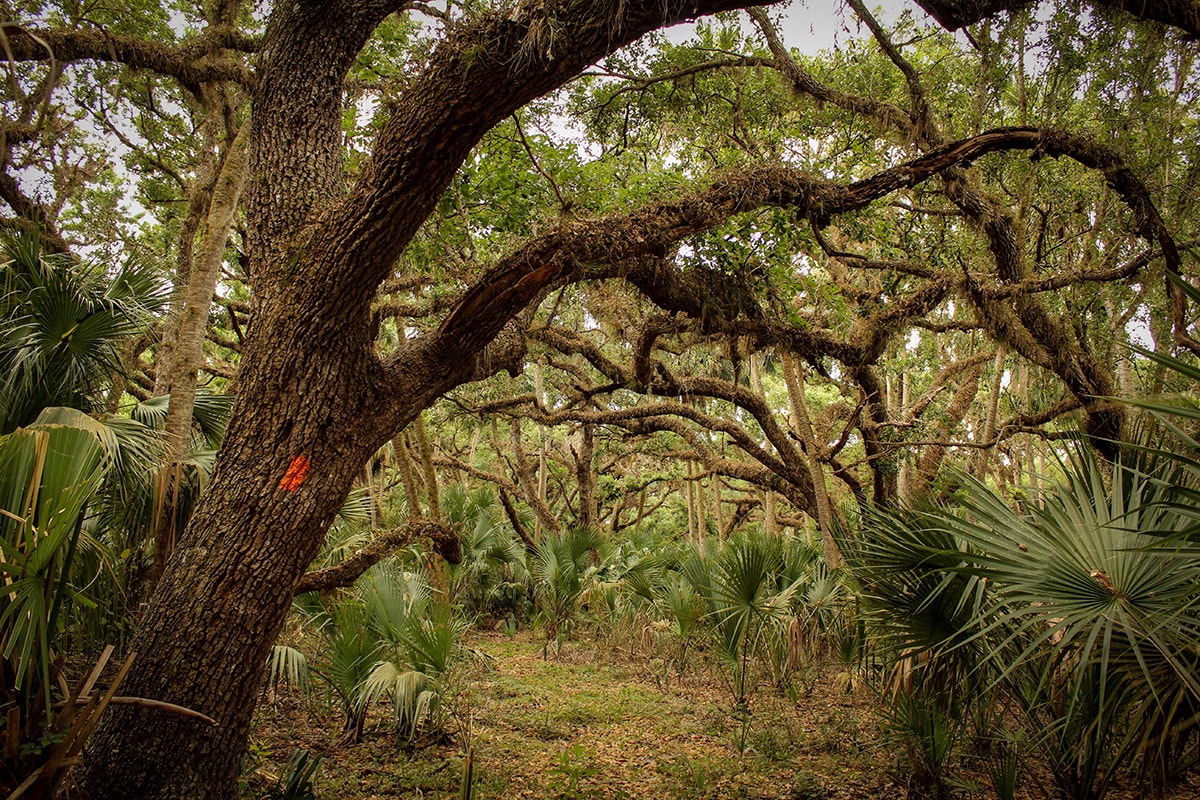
point(64, 324)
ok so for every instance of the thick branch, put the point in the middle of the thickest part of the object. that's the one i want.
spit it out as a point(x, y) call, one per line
point(954, 14)
point(349, 570)
point(186, 63)
point(633, 245)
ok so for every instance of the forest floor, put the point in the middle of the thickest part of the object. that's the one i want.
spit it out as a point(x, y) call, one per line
point(591, 722)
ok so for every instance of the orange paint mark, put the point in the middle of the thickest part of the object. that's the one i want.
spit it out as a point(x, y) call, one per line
point(297, 471)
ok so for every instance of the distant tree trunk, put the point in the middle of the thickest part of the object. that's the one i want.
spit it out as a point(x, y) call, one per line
point(425, 448)
point(770, 515)
point(199, 191)
point(880, 454)
point(993, 414)
point(956, 412)
point(689, 470)
point(543, 473)
point(407, 479)
point(583, 447)
point(717, 504)
point(793, 377)
point(904, 479)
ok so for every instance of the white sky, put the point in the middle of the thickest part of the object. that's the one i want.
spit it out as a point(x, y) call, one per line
point(815, 25)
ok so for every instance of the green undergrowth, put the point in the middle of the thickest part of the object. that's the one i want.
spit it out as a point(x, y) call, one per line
point(590, 723)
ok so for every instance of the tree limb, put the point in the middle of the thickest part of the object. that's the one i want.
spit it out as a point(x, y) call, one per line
point(349, 570)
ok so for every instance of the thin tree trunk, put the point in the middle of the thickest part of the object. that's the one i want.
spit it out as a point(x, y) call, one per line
point(689, 470)
point(543, 473)
point(793, 377)
point(956, 412)
point(425, 448)
point(717, 504)
point(904, 479)
point(583, 453)
point(404, 466)
point(993, 414)
point(189, 342)
point(770, 523)
point(525, 482)
point(199, 200)
point(770, 515)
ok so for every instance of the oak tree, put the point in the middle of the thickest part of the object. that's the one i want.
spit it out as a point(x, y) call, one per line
point(326, 222)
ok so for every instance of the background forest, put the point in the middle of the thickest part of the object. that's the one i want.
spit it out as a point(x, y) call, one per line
point(873, 368)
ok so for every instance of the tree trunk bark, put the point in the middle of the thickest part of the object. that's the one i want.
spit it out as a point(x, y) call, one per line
point(583, 453)
point(221, 602)
point(315, 401)
point(793, 377)
point(432, 494)
point(188, 351)
point(993, 414)
point(404, 466)
point(931, 459)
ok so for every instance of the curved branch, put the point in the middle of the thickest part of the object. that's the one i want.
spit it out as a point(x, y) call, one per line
point(186, 63)
point(954, 14)
point(349, 570)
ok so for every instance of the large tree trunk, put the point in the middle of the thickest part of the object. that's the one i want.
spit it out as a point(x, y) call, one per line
point(220, 603)
point(300, 432)
point(315, 401)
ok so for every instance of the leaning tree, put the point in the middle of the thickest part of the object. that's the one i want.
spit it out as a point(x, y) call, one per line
point(315, 399)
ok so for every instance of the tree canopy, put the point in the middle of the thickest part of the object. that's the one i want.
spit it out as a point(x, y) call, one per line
point(797, 280)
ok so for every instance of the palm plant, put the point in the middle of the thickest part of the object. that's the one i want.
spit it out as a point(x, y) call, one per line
point(747, 598)
point(1102, 606)
point(492, 577)
point(922, 609)
point(1081, 608)
point(817, 605)
point(63, 476)
point(112, 532)
point(48, 475)
point(685, 609)
point(415, 676)
point(921, 605)
point(350, 650)
point(65, 323)
point(386, 639)
point(560, 573)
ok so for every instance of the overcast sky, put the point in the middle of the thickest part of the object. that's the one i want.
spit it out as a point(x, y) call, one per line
point(814, 25)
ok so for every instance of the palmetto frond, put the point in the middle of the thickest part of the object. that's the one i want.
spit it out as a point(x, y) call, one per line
point(64, 325)
point(1080, 606)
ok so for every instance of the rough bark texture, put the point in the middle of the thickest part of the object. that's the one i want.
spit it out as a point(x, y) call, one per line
point(314, 400)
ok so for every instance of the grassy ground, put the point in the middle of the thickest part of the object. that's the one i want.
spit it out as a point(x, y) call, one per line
point(589, 722)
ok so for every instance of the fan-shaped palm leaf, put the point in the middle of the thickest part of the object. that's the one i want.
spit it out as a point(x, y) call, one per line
point(64, 325)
